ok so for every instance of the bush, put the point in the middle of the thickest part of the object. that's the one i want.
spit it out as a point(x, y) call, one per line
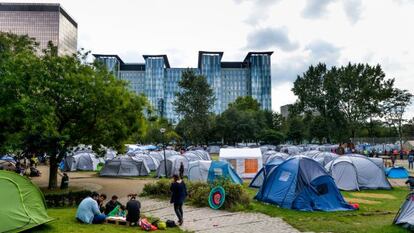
point(198, 192)
point(68, 199)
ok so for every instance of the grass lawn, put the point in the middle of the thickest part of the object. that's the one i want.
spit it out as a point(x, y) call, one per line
point(65, 222)
point(377, 211)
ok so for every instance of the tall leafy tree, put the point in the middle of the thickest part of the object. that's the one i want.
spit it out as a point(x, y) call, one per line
point(62, 102)
point(194, 104)
point(395, 108)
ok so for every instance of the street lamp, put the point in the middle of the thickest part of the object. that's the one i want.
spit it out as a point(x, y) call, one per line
point(162, 131)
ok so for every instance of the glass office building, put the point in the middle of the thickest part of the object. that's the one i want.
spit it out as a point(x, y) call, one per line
point(229, 80)
point(42, 21)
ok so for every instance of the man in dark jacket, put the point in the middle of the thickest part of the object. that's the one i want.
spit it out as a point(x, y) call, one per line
point(178, 195)
point(133, 208)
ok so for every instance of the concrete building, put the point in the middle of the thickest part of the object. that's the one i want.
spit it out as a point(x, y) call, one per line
point(42, 21)
point(159, 81)
point(284, 110)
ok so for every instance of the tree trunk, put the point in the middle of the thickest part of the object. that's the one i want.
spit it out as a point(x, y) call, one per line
point(53, 169)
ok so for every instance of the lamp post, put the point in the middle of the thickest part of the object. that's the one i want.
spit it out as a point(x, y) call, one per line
point(162, 131)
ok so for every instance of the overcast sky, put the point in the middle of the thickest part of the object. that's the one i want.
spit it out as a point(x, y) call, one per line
point(301, 32)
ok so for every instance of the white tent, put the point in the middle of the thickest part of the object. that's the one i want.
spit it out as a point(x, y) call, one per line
point(151, 162)
point(82, 161)
point(198, 170)
point(246, 161)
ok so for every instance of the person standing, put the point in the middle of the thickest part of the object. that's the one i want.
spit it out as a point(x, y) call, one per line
point(393, 157)
point(411, 160)
point(181, 170)
point(178, 194)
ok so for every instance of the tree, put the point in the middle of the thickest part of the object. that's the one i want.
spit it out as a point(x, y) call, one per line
point(394, 109)
point(296, 130)
point(63, 102)
point(194, 104)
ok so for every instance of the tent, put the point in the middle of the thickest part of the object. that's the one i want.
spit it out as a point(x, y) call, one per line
point(301, 183)
point(82, 161)
point(159, 155)
point(291, 150)
point(213, 149)
point(257, 181)
point(151, 162)
point(397, 172)
point(7, 165)
point(173, 166)
point(110, 154)
point(310, 153)
point(8, 158)
point(271, 154)
point(405, 216)
point(211, 170)
point(324, 157)
point(246, 161)
point(124, 166)
point(23, 206)
point(355, 172)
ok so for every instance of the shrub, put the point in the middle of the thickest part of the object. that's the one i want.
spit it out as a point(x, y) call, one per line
point(67, 199)
point(198, 192)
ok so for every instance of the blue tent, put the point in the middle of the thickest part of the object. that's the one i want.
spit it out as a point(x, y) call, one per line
point(8, 158)
point(301, 183)
point(397, 172)
point(257, 181)
point(219, 169)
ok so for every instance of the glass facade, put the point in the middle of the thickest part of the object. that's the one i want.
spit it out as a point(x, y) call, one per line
point(44, 22)
point(229, 80)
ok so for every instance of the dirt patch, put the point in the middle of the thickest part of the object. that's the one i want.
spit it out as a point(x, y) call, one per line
point(361, 201)
point(373, 195)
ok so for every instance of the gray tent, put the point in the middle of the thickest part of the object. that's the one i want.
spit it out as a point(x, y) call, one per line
point(159, 155)
point(173, 166)
point(324, 157)
point(355, 172)
point(310, 153)
point(214, 149)
point(405, 216)
point(81, 161)
point(124, 166)
point(195, 155)
point(151, 162)
point(271, 155)
point(198, 170)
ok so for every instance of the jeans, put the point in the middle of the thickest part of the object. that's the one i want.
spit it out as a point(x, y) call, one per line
point(178, 208)
point(410, 165)
point(98, 218)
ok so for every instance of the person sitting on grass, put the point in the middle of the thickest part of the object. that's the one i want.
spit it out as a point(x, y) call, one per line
point(88, 210)
point(101, 199)
point(112, 204)
point(133, 210)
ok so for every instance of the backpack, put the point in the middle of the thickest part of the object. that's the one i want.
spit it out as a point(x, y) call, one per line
point(147, 226)
point(170, 223)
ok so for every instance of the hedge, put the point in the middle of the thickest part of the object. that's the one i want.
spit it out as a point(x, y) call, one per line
point(69, 199)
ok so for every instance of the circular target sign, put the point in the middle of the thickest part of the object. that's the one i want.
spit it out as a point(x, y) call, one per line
point(216, 197)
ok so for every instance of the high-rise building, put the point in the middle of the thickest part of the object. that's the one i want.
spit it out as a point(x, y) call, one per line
point(229, 80)
point(284, 110)
point(43, 21)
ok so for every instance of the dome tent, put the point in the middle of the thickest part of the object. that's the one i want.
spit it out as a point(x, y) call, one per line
point(173, 166)
point(397, 172)
point(405, 216)
point(324, 157)
point(151, 162)
point(303, 184)
point(159, 155)
point(209, 171)
point(82, 161)
point(23, 205)
point(356, 172)
point(124, 166)
point(257, 181)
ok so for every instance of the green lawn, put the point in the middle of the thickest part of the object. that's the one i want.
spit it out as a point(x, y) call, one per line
point(65, 222)
point(374, 217)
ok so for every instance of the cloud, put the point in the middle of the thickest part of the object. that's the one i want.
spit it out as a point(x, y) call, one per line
point(353, 10)
point(266, 38)
point(259, 10)
point(322, 51)
point(316, 8)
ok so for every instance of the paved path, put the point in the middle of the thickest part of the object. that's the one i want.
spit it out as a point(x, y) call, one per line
point(207, 220)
